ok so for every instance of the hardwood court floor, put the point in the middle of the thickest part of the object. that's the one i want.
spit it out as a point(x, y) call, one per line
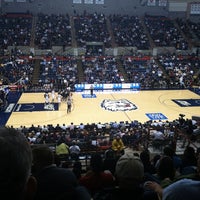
point(89, 110)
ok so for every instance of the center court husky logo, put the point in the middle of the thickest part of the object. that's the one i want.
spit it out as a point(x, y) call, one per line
point(49, 107)
point(118, 105)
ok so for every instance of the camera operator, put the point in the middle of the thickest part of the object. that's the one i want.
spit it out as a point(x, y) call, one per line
point(181, 120)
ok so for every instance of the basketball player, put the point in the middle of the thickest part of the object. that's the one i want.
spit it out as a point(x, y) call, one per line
point(59, 98)
point(69, 105)
point(46, 97)
point(91, 90)
point(52, 95)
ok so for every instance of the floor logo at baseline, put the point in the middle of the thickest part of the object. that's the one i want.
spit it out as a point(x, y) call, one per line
point(156, 116)
point(187, 102)
point(30, 107)
point(89, 96)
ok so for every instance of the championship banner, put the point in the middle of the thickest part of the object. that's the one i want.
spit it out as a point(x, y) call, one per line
point(195, 8)
point(88, 1)
point(77, 1)
point(8, 0)
point(99, 1)
point(162, 3)
point(151, 3)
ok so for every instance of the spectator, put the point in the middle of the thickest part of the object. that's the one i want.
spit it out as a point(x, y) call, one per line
point(16, 161)
point(189, 161)
point(54, 182)
point(109, 162)
point(74, 150)
point(192, 173)
point(177, 161)
point(77, 169)
point(183, 189)
point(62, 149)
point(95, 178)
point(149, 168)
point(166, 171)
point(118, 145)
point(129, 175)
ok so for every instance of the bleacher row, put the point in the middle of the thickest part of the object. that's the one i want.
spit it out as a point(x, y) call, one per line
point(162, 72)
point(98, 137)
point(126, 31)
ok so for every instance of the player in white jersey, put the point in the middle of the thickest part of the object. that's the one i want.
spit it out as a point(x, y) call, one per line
point(59, 98)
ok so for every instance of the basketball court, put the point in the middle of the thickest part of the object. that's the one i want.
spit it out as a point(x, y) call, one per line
point(108, 106)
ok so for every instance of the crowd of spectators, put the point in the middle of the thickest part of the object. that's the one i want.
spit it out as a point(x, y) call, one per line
point(145, 71)
point(187, 29)
point(99, 136)
point(141, 175)
point(91, 28)
point(15, 30)
point(181, 70)
point(164, 33)
point(172, 71)
point(146, 177)
point(52, 30)
point(101, 70)
point(18, 29)
point(128, 31)
point(110, 173)
point(17, 71)
point(194, 26)
point(59, 72)
point(3, 98)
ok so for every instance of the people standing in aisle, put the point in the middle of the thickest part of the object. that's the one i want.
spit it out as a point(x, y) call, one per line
point(69, 105)
point(46, 97)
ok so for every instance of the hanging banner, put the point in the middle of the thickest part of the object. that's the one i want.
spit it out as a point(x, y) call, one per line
point(151, 3)
point(162, 3)
point(88, 1)
point(77, 1)
point(195, 8)
point(99, 2)
point(8, 0)
point(21, 1)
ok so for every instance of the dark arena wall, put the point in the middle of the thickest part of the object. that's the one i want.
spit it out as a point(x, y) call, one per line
point(131, 7)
